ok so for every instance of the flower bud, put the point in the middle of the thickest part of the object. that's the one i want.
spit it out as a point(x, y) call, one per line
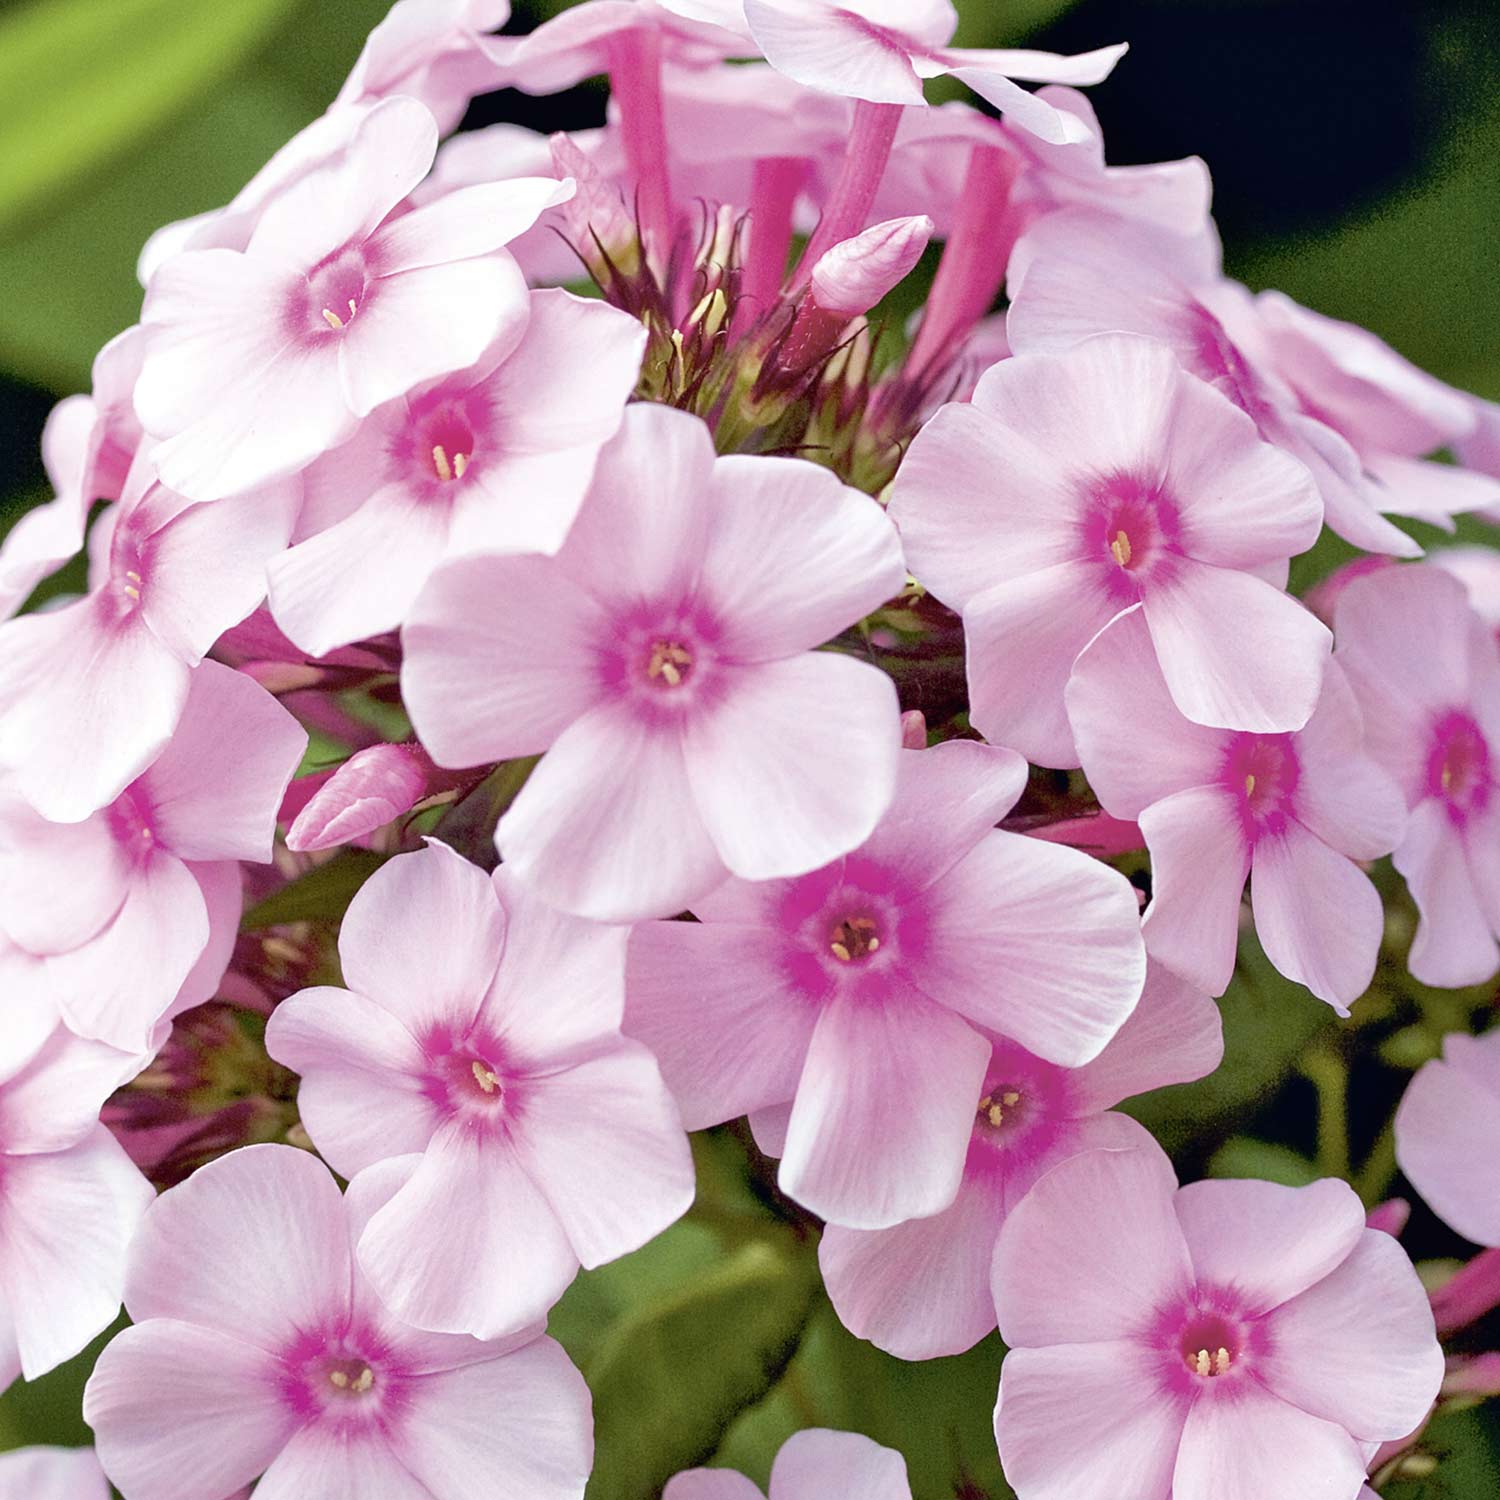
point(372, 788)
point(853, 276)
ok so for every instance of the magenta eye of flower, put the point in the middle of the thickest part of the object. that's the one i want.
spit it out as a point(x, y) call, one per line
point(1131, 524)
point(1458, 764)
point(854, 938)
point(669, 663)
point(352, 1376)
point(485, 1078)
point(336, 292)
point(1210, 1346)
point(999, 1105)
point(1262, 771)
point(1121, 548)
point(333, 320)
point(450, 446)
point(1202, 1362)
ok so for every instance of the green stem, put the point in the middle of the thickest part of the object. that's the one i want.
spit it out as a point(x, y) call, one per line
point(1330, 1078)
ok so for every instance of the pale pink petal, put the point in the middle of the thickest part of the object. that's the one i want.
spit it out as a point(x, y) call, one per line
point(222, 886)
point(712, 1002)
point(1199, 863)
point(1455, 943)
point(1039, 942)
point(467, 222)
point(426, 322)
point(1058, 1279)
point(1266, 1242)
point(52, 1100)
point(31, 1017)
point(423, 938)
point(53, 1474)
point(1317, 915)
point(1445, 1110)
point(361, 576)
point(710, 1484)
point(819, 1462)
point(884, 1111)
point(228, 1418)
point(60, 883)
point(1174, 1035)
point(253, 1247)
point(794, 557)
point(469, 1244)
point(947, 798)
point(90, 701)
point(921, 1289)
point(795, 764)
point(215, 790)
point(1236, 652)
point(1087, 1419)
point(69, 1217)
point(605, 1144)
point(1021, 640)
point(206, 569)
point(1135, 744)
point(499, 659)
point(519, 1425)
point(607, 826)
point(119, 984)
point(1248, 1445)
point(1022, 108)
point(827, 48)
point(1374, 1311)
point(361, 1096)
point(769, 1126)
point(340, 1463)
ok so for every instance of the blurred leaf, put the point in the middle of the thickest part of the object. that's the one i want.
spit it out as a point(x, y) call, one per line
point(1466, 1445)
point(1241, 1156)
point(319, 896)
point(937, 1413)
point(670, 1375)
point(50, 1410)
point(82, 81)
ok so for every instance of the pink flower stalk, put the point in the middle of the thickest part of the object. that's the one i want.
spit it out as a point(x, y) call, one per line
point(94, 690)
point(1390, 1216)
point(52, 1474)
point(259, 361)
point(70, 1199)
point(663, 658)
point(1077, 486)
point(816, 1464)
point(881, 51)
point(1290, 812)
point(371, 789)
point(257, 1331)
point(477, 1067)
point(431, 51)
point(134, 909)
point(921, 1290)
point(1452, 1104)
point(1222, 1341)
point(1081, 272)
point(1424, 668)
point(87, 448)
point(497, 458)
point(862, 995)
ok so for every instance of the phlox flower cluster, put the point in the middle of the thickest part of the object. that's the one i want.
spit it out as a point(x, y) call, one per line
point(551, 679)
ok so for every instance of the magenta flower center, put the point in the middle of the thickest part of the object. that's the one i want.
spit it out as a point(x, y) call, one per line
point(450, 446)
point(1210, 1346)
point(1261, 772)
point(853, 939)
point(349, 1377)
point(1458, 765)
point(130, 822)
point(1001, 1107)
point(669, 663)
point(336, 291)
point(1131, 527)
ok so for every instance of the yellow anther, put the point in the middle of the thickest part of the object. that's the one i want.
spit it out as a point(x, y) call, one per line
point(1010, 1099)
point(995, 1115)
point(132, 575)
point(440, 462)
point(1209, 1365)
point(1221, 1362)
point(1249, 785)
point(331, 318)
point(460, 463)
point(1201, 1363)
point(1120, 547)
point(338, 1378)
point(353, 307)
point(131, 592)
point(364, 1381)
point(839, 951)
point(485, 1077)
point(1447, 778)
point(670, 662)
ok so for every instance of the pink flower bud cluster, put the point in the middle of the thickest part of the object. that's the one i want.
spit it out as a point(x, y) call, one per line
point(613, 716)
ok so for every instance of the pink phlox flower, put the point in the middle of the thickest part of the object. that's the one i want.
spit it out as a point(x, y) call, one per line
point(921, 1290)
point(1081, 272)
point(1222, 1341)
point(1079, 485)
point(256, 1329)
point(1450, 1111)
point(87, 448)
point(259, 361)
point(52, 1474)
point(663, 659)
point(476, 1064)
point(1424, 667)
point(134, 909)
point(1391, 412)
point(1293, 813)
point(94, 690)
point(862, 995)
point(495, 459)
point(429, 50)
point(1479, 450)
point(815, 1464)
point(882, 51)
point(70, 1198)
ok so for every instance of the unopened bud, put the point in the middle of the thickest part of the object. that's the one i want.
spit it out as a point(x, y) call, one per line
point(372, 788)
point(914, 730)
point(852, 277)
point(1389, 1217)
point(596, 216)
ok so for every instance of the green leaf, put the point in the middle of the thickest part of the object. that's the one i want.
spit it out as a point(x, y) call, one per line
point(1465, 1444)
point(322, 895)
point(672, 1373)
point(1241, 1156)
point(82, 81)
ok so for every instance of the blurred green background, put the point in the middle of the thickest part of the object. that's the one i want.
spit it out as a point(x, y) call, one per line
point(1356, 150)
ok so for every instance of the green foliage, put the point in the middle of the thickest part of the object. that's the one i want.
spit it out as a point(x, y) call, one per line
point(319, 896)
